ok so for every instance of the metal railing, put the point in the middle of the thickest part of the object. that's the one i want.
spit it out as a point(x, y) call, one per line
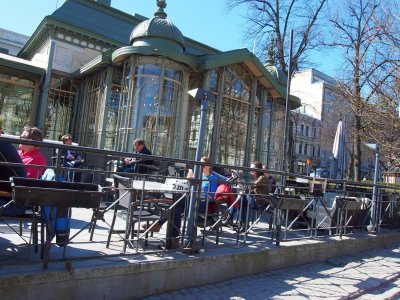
point(306, 208)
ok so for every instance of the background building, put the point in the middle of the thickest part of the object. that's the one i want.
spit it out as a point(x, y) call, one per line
point(108, 77)
point(321, 110)
point(11, 42)
point(319, 102)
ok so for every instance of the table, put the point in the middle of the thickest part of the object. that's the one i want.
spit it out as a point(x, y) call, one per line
point(135, 191)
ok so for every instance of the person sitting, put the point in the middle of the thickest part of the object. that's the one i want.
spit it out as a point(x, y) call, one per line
point(271, 180)
point(210, 182)
point(257, 199)
point(9, 154)
point(30, 154)
point(137, 165)
point(72, 159)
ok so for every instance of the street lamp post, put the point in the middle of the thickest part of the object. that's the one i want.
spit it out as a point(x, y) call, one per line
point(375, 192)
point(204, 96)
point(287, 116)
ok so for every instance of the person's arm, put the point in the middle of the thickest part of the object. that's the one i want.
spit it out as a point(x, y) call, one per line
point(220, 177)
point(259, 185)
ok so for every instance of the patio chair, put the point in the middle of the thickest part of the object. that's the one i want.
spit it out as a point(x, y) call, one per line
point(33, 217)
point(128, 207)
point(55, 195)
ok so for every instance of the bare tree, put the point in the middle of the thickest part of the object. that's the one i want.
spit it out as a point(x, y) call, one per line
point(273, 20)
point(361, 30)
point(382, 121)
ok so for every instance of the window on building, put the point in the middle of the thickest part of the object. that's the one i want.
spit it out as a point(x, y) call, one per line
point(16, 96)
point(235, 111)
point(314, 132)
point(148, 105)
point(301, 129)
point(307, 129)
point(313, 151)
point(305, 149)
point(300, 148)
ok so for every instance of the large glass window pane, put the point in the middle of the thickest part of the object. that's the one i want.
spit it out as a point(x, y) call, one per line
point(111, 117)
point(16, 96)
point(59, 108)
point(233, 132)
point(91, 108)
point(235, 112)
point(148, 112)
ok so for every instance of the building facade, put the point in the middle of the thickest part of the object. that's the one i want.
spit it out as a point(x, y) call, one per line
point(306, 142)
point(321, 110)
point(108, 78)
point(11, 42)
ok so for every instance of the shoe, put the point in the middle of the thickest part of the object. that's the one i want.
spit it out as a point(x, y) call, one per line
point(175, 244)
point(242, 228)
point(228, 222)
point(154, 227)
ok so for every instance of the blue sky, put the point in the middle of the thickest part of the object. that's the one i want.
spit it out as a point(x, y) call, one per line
point(206, 21)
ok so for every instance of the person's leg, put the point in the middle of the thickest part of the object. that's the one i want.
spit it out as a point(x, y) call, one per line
point(229, 218)
point(177, 220)
point(70, 172)
point(129, 170)
point(246, 205)
point(77, 176)
point(246, 202)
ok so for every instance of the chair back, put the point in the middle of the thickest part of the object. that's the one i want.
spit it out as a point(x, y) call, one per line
point(37, 192)
point(123, 190)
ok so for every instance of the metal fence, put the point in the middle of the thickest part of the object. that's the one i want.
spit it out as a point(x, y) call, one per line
point(305, 208)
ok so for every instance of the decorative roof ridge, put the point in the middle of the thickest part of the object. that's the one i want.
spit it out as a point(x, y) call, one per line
point(114, 11)
point(50, 22)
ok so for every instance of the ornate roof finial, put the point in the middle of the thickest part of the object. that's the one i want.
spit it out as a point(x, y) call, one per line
point(160, 12)
point(271, 52)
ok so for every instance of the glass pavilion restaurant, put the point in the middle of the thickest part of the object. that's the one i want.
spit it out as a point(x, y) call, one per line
point(108, 77)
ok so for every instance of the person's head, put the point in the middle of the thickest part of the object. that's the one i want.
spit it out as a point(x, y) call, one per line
point(265, 168)
point(257, 165)
point(206, 168)
point(138, 145)
point(30, 133)
point(66, 139)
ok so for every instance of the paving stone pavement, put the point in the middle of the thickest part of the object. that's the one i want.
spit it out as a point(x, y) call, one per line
point(373, 274)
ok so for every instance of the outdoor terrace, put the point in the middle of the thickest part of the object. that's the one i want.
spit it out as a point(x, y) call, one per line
point(302, 229)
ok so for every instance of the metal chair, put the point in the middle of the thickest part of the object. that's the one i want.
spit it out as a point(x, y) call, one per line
point(129, 207)
point(33, 217)
point(54, 195)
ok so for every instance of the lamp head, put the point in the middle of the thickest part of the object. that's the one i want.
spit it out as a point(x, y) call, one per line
point(201, 94)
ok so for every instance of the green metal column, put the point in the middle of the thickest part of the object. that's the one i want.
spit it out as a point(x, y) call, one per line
point(103, 117)
point(249, 148)
point(217, 120)
point(35, 102)
point(181, 115)
point(160, 95)
point(262, 121)
point(45, 88)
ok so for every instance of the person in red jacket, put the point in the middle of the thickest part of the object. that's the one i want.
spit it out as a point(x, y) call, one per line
point(30, 154)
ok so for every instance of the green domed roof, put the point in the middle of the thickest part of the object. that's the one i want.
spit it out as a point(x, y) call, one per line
point(158, 32)
point(275, 72)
